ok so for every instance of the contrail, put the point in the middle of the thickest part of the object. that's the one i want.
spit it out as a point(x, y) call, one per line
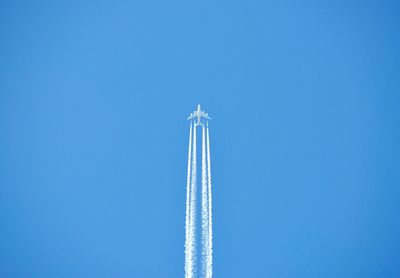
point(210, 235)
point(198, 243)
point(192, 217)
point(188, 242)
point(204, 206)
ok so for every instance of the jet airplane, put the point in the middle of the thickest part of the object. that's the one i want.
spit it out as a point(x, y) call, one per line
point(199, 114)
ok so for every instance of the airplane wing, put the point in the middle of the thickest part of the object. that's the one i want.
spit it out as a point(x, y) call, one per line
point(199, 114)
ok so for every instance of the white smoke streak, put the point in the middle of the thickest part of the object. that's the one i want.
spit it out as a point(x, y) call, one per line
point(210, 235)
point(192, 218)
point(192, 269)
point(188, 243)
point(204, 207)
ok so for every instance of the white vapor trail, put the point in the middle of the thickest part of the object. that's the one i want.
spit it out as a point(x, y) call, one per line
point(204, 207)
point(192, 207)
point(198, 263)
point(188, 242)
point(209, 247)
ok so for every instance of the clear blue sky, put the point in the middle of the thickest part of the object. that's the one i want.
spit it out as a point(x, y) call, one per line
point(305, 136)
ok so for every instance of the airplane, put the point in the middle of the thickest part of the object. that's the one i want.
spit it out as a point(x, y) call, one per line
point(199, 114)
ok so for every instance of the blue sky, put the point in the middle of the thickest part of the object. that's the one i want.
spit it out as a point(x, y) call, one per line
point(304, 97)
